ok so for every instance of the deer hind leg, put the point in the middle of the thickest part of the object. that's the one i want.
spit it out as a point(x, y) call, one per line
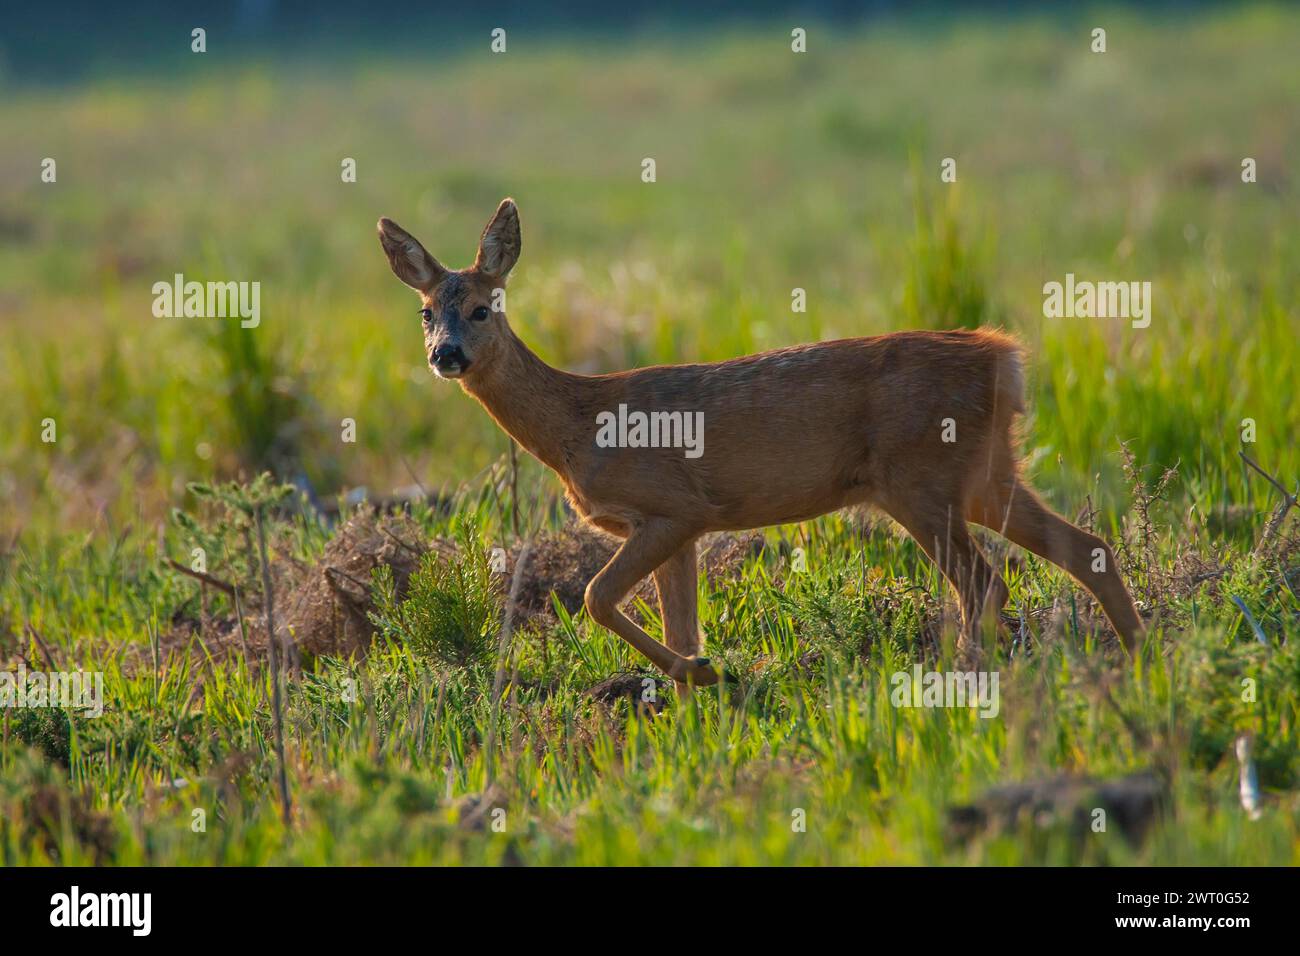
point(943, 535)
point(647, 548)
point(676, 581)
point(1013, 510)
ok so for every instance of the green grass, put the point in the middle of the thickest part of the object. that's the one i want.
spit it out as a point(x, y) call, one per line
point(382, 755)
point(775, 171)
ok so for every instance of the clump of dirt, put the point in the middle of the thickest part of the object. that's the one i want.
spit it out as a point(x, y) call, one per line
point(474, 811)
point(1133, 803)
point(561, 562)
point(635, 687)
point(320, 609)
point(723, 555)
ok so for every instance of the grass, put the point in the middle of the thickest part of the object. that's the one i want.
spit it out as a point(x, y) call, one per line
point(774, 171)
point(384, 756)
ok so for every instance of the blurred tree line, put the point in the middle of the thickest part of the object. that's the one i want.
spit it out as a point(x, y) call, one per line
point(74, 40)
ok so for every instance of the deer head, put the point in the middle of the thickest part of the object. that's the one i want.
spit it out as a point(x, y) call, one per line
point(465, 325)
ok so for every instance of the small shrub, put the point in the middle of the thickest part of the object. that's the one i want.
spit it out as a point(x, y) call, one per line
point(47, 729)
point(452, 609)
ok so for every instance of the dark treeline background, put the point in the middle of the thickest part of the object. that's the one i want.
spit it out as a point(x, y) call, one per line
point(51, 43)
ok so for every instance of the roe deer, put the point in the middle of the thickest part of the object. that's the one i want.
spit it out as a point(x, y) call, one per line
point(918, 424)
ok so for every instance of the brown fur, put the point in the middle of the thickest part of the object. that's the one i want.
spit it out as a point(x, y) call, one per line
point(789, 434)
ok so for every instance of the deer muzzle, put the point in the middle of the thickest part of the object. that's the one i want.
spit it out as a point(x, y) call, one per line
point(448, 361)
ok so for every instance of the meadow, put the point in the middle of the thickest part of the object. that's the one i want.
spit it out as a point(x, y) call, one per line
point(774, 171)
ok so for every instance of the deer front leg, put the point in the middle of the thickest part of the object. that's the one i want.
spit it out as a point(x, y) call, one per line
point(677, 581)
point(647, 548)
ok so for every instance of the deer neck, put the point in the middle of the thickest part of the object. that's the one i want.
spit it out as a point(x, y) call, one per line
point(531, 401)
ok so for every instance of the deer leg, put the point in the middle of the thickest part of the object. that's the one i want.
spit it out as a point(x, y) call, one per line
point(1018, 515)
point(677, 581)
point(648, 547)
point(980, 589)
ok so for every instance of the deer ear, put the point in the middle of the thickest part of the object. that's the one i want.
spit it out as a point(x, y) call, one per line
point(410, 262)
point(498, 250)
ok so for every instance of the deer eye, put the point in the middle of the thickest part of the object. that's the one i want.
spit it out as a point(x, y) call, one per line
point(426, 314)
point(479, 314)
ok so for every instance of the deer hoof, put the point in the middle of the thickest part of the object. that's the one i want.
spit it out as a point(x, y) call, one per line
point(696, 672)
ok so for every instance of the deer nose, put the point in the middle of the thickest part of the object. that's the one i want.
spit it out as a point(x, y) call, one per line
point(447, 355)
